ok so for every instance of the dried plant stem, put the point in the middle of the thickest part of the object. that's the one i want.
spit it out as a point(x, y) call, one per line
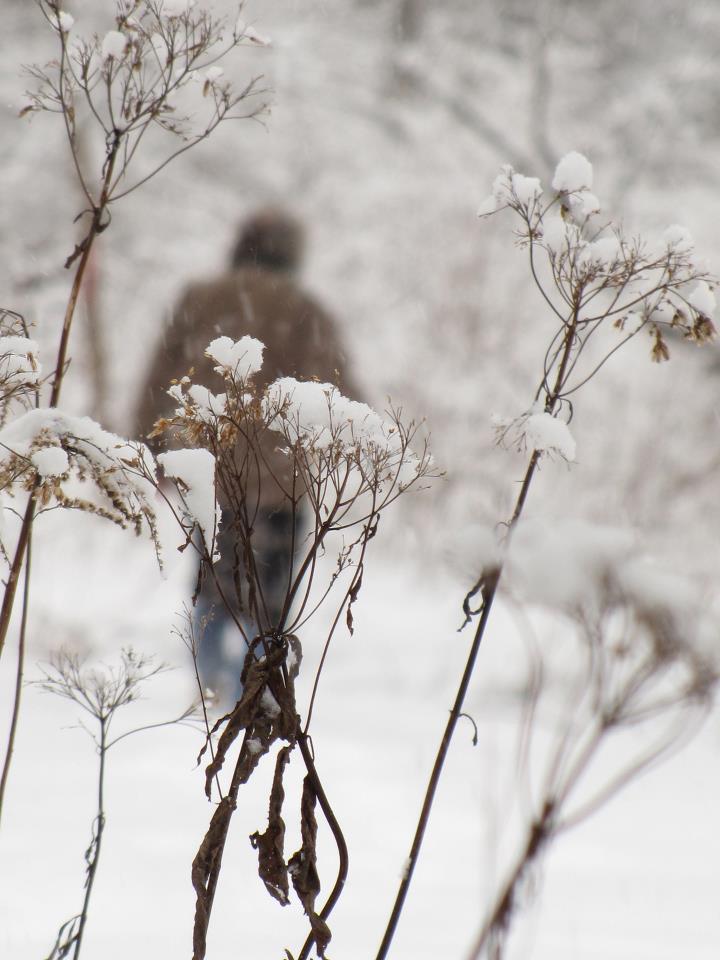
point(85, 247)
point(92, 854)
point(15, 569)
point(222, 819)
point(96, 227)
point(18, 677)
point(440, 758)
point(337, 834)
point(499, 918)
point(215, 839)
point(490, 584)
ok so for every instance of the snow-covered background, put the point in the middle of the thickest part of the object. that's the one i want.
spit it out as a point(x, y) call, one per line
point(388, 124)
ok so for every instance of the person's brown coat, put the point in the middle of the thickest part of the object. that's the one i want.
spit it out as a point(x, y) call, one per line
point(301, 340)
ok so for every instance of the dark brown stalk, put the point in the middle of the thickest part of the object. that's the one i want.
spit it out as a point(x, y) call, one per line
point(18, 677)
point(208, 861)
point(455, 713)
point(92, 855)
point(96, 227)
point(83, 251)
point(15, 569)
point(499, 919)
point(489, 593)
point(337, 834)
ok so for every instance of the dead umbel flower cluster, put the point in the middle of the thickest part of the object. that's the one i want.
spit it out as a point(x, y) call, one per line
point(100, 693)
point(157, 69)
point(633, 674)
point(337, 463)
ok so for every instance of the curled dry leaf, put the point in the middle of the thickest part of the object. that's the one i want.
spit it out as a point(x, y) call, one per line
point(271, 844)
point(246, 714)
point(302, 867)
point(266, 712)
point(205, 868)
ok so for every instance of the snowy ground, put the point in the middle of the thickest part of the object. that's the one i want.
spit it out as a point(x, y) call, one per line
point(637, 880)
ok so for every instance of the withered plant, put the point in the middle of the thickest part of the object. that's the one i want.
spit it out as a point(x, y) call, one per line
point(595, 282)
point(338, 464)
point(124, 87)
point(100, 692)
point(639, 676)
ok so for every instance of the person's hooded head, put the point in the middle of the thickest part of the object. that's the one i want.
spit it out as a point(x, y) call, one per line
point(270, 239)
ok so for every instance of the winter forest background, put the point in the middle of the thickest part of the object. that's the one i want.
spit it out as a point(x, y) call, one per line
point(388, 121)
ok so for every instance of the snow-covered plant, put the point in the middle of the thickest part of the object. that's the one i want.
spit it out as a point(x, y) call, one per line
point(125, 84)
point(634, 649)
point(20, 371)
point(336, 462)
point(47, 452)
point(594, 279)
point(599, 276)
point(602, 289)
point(156, 68)
point(334, 456)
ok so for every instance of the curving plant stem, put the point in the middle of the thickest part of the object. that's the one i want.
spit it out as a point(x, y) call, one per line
point(337, 833)
point(488, 583)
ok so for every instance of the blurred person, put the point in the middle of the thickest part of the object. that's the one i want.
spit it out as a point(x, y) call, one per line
point(259, 295)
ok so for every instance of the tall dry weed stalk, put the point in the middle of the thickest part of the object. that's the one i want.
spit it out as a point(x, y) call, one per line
point(593, 279)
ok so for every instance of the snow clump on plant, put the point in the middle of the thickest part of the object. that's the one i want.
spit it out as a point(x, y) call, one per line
point(341, 451)
point(599, 279)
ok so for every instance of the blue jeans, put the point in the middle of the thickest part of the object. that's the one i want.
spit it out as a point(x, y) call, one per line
point(222, 647)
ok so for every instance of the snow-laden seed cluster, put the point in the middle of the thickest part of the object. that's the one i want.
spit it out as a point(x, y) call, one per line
point(536, 430)
point(598, 273)
point(71, 461)
point(340, 452)
point(65, 460)
point(333, 432)
point(156, 65)
point(593, 277)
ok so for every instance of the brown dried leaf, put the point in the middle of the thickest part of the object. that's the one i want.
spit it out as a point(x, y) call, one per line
point(270, 845)
point(302, 867)
point(245, 712)
point(205, 867)
point(354, 591)
point(659, 352)
point(284, 692)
